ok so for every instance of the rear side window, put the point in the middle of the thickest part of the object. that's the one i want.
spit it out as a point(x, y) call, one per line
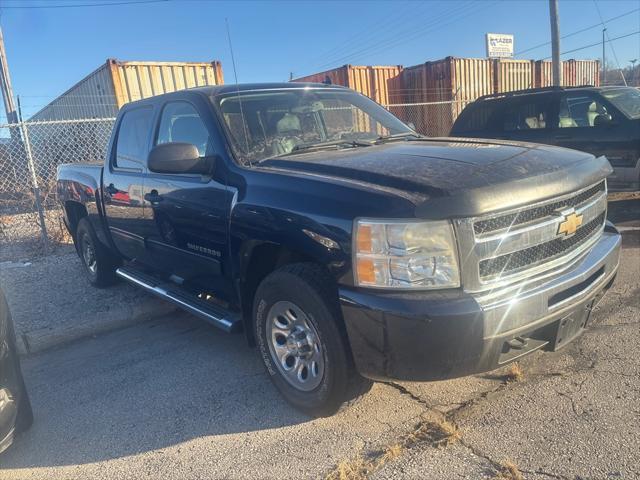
point(477, 117)
point(532, 113)
point(133, 136)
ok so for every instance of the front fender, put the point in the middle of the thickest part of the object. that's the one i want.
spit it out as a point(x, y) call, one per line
point(328, 244)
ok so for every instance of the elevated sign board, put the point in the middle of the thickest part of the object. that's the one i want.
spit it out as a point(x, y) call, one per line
point(499, 45)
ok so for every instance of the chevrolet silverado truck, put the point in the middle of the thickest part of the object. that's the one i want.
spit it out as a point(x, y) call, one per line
point(346, 247)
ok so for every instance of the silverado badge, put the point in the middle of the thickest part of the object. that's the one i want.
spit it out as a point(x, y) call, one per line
point(570, 224)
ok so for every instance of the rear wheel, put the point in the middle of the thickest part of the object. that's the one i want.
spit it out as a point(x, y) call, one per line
point(302, 341)
point(99, 263)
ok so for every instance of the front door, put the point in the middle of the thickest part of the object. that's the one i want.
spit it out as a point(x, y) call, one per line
point(187, 215)
point(123, 181)
point(589, 123)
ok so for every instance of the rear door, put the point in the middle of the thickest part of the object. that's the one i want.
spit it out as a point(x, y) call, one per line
point(589, 123)
point(187, 215)
point(478, 120)
point(526, 118)
point(123, 181)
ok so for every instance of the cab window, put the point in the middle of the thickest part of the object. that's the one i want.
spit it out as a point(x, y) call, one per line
point(477, 117)
point(529, 114)
point(181, 122)
point(133, 135)
point(580, 110)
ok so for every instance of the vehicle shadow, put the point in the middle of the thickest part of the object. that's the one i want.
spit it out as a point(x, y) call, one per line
point(624, 211)
point(141, 389)
point(625, 214)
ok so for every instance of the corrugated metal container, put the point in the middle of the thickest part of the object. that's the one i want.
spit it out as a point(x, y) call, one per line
point(543, 74)
point(455, 80)
point(381, 83)
point(448, 79)
point(581, 72)
point(105, 90)
point(574, 73)
point(513, 75)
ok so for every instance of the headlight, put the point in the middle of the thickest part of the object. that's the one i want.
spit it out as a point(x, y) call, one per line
point(405, 254)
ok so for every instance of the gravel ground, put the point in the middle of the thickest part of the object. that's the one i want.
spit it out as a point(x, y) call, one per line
point(174, 398)
point(52, 301)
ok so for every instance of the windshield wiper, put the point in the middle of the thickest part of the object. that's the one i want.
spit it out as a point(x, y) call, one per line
point(332, 143)
point(397, 136)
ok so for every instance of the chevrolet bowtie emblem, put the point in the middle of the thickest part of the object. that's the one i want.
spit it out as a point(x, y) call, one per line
point(570, 224)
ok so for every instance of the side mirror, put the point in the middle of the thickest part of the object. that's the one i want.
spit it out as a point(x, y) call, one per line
point(178, 157)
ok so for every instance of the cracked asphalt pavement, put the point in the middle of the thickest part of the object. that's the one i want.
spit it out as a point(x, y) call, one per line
point(174, 398)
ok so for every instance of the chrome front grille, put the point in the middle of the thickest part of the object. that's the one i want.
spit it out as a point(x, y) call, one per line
point(513, 262)
point(536, 213)
point(505, 248)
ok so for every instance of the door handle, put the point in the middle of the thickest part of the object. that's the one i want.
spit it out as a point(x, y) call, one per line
point(153, 197)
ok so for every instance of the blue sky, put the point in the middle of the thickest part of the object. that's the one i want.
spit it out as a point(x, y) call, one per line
point(50, 49)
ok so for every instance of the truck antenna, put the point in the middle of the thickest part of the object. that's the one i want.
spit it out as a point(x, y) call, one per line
point(235, 74)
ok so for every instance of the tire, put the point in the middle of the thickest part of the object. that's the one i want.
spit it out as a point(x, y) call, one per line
point(24, 418)
point(99, 263)
point(296, 315)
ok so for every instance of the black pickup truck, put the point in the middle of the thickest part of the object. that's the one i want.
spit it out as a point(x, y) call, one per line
point(345, 246)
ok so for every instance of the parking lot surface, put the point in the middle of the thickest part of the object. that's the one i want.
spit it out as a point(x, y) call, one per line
point(175, 398)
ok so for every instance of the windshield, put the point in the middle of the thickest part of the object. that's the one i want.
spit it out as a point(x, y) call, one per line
point(627, 100)
point(269, 123)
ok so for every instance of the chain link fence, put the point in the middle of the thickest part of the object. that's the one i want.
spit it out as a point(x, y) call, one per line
point(433, 119)
point(30, 217)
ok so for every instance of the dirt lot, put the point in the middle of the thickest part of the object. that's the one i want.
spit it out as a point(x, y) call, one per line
point(173, 398)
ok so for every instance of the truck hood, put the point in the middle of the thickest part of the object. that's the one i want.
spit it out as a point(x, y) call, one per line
point(480, 175)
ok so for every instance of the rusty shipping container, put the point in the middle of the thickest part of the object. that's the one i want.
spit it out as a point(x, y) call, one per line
point(431, 95)
point(510, 75)
point(446, 86)
point(380, 83)
point(101, 93)
point(574, 73)
point(581, 72)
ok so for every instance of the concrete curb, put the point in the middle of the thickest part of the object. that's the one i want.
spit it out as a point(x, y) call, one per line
point(37, 341)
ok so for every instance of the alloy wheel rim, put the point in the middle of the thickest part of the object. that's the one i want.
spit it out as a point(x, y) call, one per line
point(89, 255)
point(295, 346)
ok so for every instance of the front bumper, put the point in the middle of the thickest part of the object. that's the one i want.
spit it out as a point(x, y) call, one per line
point(438, 335)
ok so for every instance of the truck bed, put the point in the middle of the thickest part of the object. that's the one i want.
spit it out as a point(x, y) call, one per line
point(78, 182)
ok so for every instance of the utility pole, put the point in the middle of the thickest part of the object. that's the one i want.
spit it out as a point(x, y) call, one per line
point(5, 85)
point(555, 42)
point(633, 70)
point(604, 64)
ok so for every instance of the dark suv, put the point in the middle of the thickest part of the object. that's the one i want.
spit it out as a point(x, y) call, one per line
point(597, 120)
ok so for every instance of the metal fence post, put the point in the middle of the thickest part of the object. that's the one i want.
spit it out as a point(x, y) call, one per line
point(34, 182)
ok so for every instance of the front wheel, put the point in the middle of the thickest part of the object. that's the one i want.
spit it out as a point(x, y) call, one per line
point(302, 341)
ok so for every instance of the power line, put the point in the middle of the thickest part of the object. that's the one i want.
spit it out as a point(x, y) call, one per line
point(580, 31)
point(399, 38)
point(372, 30)
point(624, 80)
point(432, 25)
point(78, 5)
point(597, 43)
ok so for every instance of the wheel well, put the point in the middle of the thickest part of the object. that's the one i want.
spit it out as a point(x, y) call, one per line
point(75, 211)
point(264, 260)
